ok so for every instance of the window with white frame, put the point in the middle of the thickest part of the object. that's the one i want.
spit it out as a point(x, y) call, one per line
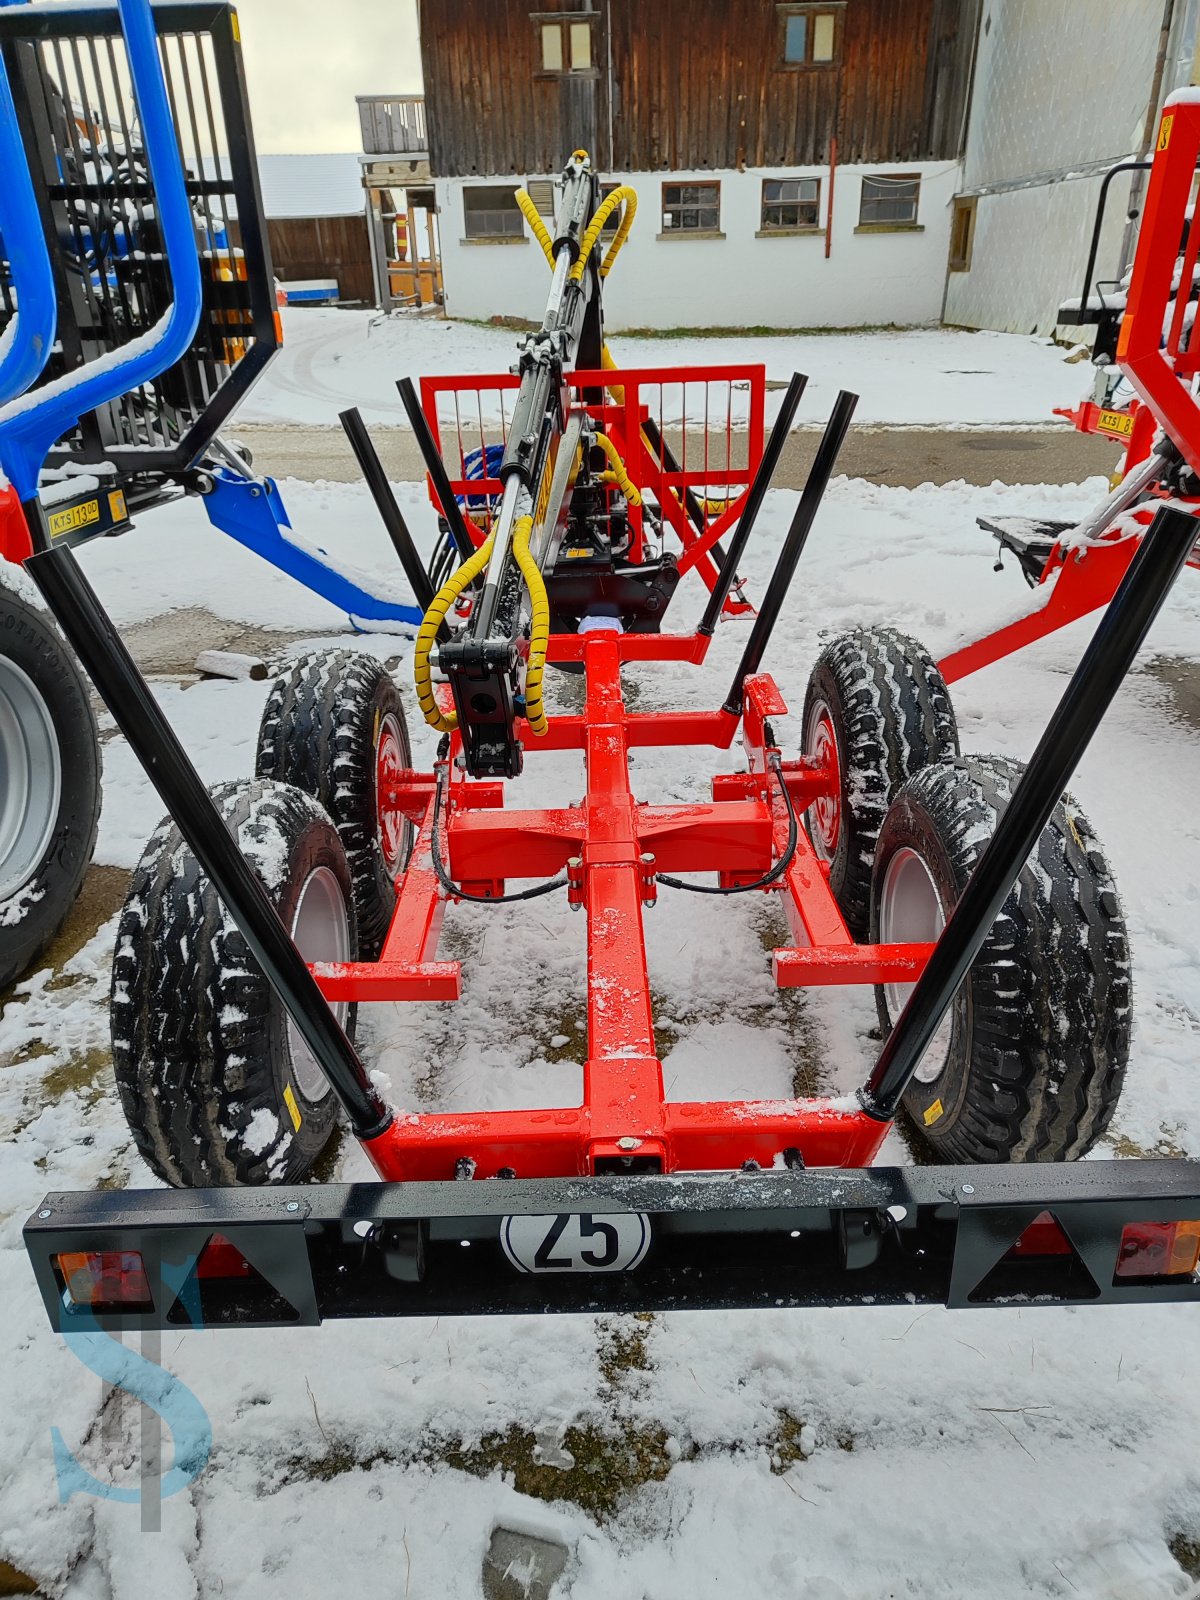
point(490, 211)
point(789, 204)
point(888, 202)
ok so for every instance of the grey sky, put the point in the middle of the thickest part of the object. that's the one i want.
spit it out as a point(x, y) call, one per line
point(307, 59)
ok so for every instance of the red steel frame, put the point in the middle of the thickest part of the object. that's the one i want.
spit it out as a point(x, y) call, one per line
point(623, 415)
point(1155, 353)
point(15, 543)
point(611, 847)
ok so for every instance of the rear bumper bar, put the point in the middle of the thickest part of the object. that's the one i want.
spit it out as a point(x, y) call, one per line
point(780, 1238)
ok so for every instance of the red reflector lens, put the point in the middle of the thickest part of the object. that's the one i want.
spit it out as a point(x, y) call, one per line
point(1159, 1250)
point(220, 1259)
point(105, 1278)
point(1043, 1237)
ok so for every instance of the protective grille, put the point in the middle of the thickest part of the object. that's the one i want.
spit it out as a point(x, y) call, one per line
point(79, 123)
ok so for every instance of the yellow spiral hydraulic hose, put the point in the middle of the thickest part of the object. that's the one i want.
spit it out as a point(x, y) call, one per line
point(622, 195)
point(617, 390)
point(539, 625)
point(629, 195)
point(443, 721)
point(628, 488)
point(536, 226)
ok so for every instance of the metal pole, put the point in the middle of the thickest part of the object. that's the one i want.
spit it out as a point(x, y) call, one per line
point(1099, 675)
point(758, 488)
point(367, 457)
point(436, 468)
point(819, 475)
point(91, 634)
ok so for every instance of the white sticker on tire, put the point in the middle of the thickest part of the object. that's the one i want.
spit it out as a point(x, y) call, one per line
point(576, 1241)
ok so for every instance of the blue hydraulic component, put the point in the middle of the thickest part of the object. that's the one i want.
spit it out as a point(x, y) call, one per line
point(31, 424)
point(28, 347)
point(251, 511)
point(482, 464)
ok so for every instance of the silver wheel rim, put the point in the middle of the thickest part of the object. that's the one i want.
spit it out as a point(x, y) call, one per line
point(911, 912)
point(321, 930)
point(822, 817)
point(30, 778)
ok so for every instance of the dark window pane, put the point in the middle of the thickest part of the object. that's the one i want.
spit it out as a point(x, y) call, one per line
point(791, 202)
point(490, 211)
point(889, 200)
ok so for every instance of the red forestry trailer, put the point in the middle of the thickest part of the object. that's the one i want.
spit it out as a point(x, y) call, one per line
point(972, 894)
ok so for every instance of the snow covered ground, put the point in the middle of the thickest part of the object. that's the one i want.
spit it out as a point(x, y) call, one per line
point(332, 359)
point(830, 1455)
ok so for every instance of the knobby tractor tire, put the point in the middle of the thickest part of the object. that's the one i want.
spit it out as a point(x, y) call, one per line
point(49, 783)
point(216, 1087)
point(877, 702)
point(334, 726)
point(1030, 1062)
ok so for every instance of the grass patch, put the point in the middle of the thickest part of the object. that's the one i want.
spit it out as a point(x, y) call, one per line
point(806, 1046)
point(561, 1035)
point(77, 1074)
point(607, 1467)
point(786, 1444)
point(1127, 1149)
point(34, 1050)
point(755, 330)
point(623, 1347)
point(14, 1581)
point(103, 891)
point(1186, 1550)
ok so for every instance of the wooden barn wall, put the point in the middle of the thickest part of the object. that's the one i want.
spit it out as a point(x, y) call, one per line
point(695, 84)
point(325, 247)
point(488, 107)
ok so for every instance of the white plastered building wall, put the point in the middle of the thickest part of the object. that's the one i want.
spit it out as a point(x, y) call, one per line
point(1061, 93)
point(738, 280)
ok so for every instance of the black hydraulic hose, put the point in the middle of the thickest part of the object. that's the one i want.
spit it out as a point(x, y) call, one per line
point(448, 883)
point(768, 878)
point(1163, 552)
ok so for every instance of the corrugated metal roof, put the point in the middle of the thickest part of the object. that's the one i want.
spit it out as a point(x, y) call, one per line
point(312, 186)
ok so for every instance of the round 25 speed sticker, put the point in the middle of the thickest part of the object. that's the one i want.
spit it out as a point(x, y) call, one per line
point(576, 1241)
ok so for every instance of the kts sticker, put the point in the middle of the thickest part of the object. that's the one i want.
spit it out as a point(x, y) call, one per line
point(1117, 423)
point(73, 517)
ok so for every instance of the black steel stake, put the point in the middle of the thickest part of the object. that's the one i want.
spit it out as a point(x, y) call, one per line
point(819, 475)
point(390, 513)
point(1096, 679)
point(758, 488)
point(436, 468)
point(90, 632)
